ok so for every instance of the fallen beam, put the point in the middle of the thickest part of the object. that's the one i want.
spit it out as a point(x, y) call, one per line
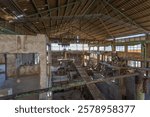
point(96, 93)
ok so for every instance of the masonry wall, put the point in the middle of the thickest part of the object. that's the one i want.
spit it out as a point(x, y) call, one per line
point(11, 65)
point(11, 44)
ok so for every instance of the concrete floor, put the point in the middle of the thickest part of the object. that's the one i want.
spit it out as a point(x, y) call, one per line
point(2, 75)
point(147, 96)
point(110, 91)
point(23, 84)
point(2, 79)
point(68, 95)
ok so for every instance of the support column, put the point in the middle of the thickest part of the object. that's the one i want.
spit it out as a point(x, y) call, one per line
point(83, 54)
point(147, 51)
point(65, 55)
point(140, 95)
point(43, 75)
point(143, 52)
point(89, 48)
point(89, 53)
point(98, 54)
point(126, 53)
point(113, 47)
point(43, 69)
point(49, 71)
point(130, 88)
point(103, 57)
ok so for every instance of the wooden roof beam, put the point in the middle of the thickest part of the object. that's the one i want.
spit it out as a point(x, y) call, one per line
point(35, 7)
point(20, 10)
point(56, 8)
point(127, 17)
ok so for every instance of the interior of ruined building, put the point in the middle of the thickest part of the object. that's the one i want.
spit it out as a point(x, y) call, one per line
point(74, 49)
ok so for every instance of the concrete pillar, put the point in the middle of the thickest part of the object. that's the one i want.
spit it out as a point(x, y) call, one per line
point(113, 47)
point(49, 71)
point(147, 53)
point(82, 54)
point(43, 69)
point(98, 54)
point(89, 53)
point(122, 88)
point(126, 84)
point(103, 57)
point(43, 75)
point(140, 95)
point(126, 53)
point(130, 88)
point(144, 54)
point(65, 54)
point(89, 48)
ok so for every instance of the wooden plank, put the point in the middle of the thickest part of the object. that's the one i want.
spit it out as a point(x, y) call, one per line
point(97, 95)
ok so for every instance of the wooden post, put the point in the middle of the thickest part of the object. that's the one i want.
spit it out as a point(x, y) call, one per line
point(83, 53)
point(126, 53)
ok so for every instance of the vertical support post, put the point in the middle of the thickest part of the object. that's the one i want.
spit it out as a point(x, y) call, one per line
point(103, 57)
point(130, 88)
point(126, 53)
point(113, 47)
point(43, 75)
point(98, 53)
point(143, 54)
point(147, 53)
point(65, 54)
point(83, 53)
point(43, 68)
point(89, 52)
point(49, 71)
point(140, 95)
point(93, 52)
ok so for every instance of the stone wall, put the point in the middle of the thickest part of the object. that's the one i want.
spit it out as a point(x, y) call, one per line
point(29, 70)
point(28, 44)
point(11, 65)
point(2, 59)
